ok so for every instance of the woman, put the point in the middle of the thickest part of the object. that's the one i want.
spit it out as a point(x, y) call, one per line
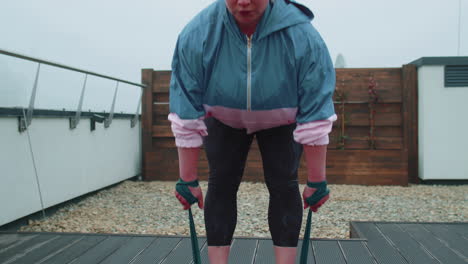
point(245, 68)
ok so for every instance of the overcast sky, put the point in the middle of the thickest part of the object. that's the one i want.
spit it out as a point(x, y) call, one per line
point(121, 37)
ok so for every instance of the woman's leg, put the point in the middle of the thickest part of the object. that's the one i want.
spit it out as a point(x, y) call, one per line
point(226, 150)
point(281, 159)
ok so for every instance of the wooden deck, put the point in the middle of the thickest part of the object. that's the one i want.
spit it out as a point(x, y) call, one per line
point(394, 243)
point(376, 242)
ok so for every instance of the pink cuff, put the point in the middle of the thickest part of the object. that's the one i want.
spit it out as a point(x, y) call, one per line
point(188, 133)
point(314, 133)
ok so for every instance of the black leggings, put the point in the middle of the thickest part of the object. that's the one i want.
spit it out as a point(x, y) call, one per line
point(227, 150)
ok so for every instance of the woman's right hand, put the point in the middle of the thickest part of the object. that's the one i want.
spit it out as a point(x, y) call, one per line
point(196, 192)
point(188, 160)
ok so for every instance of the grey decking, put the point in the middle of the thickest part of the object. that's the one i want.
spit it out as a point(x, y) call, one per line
point(415, 242)
point(379, 243)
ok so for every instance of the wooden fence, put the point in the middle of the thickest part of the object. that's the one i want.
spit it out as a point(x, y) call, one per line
point(373, 142)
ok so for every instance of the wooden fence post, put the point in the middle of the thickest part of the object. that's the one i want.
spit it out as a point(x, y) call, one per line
point(147, 118)
point(410, 119)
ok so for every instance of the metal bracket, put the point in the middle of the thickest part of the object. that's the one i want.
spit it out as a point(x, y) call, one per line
point(108, 120)
point(74, 121)
point(135, 117)
point(24, 122)
point(96, 118)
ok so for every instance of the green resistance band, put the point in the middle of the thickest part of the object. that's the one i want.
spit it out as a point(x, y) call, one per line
point(306, 240)
point(194, 239)
point(182, 189)
point(321, 192)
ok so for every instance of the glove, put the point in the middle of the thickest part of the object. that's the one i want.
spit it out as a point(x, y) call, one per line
point(315, 195)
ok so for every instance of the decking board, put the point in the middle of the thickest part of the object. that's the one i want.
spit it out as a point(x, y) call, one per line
point(377, 243)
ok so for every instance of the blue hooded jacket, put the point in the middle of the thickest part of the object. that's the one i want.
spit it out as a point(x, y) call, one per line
point(284, 65)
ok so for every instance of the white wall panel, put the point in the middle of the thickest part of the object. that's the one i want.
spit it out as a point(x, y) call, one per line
point(70, 163)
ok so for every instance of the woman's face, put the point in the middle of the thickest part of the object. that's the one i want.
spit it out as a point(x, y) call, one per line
point(247, 12)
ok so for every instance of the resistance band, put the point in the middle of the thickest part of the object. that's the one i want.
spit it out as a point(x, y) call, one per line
point(321, 191)
point(306, 240)
point(182, 187)
point(193, 238)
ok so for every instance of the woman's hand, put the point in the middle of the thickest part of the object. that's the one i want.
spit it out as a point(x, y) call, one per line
point(196, 192)
point(309, 192)
point(187, 186)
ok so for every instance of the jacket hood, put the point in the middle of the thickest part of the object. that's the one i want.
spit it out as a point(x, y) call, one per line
point(279, 14)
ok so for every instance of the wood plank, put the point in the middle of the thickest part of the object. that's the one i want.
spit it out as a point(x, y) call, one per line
point(159, 143)
point(161, 97)
point(328, 252)
point(452, 239)
point(147, 99)
point(74, 250)
point(265, 253)
point(204, 254)
point(352, 142)
point(343, 166)
point(378, 245)
point(363, 143)
point(8, 241)
point(99, 252)
point(355, 114)
point(129, 251)
point(18, 250)
point(358, 110)
point(410, 119)
point(310, 253)
point(409, 248)
point(162, 131)
point(363, 107)
point(146, 115)
point(362, 166)
point(458, 228)
point(161, 109)
point(438, 249)
point(157, 250)
point(362, 119)
point(161, 120)
point(242, 251)
point(356, 252)
point(183, 252)
point(355, 82)
point(160, 114)
point(162, 81)
point(384, 131)
point(46, 250)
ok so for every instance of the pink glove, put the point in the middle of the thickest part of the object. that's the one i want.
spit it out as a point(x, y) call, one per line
point(188, 161)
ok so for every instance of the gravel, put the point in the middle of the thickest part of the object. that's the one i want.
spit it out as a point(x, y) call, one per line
point(150, 208)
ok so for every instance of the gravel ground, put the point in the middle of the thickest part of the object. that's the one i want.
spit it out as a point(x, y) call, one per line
point(150, 208)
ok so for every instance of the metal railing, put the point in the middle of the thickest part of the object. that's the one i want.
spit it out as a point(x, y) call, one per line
point(27, 119)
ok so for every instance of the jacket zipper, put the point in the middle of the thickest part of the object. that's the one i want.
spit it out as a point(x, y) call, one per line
point(249, 73)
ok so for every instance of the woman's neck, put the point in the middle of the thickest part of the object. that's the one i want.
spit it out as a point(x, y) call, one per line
point(248, 30)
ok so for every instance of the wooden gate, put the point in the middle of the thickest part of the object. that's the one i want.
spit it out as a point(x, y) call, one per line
point(373, 142)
